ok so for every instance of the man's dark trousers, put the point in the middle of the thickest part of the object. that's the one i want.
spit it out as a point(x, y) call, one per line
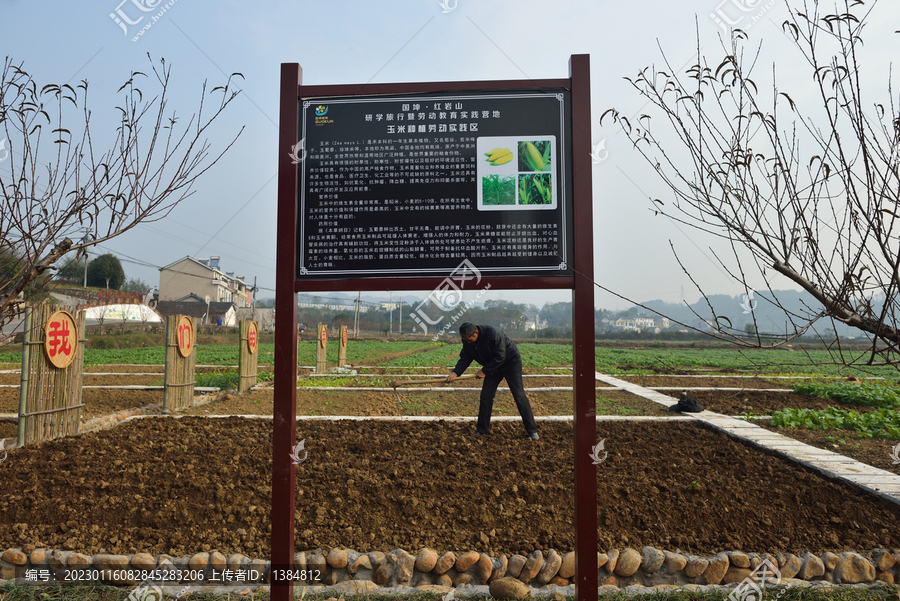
point(512, 372)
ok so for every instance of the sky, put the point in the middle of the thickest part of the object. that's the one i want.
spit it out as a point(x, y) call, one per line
point(232, 213)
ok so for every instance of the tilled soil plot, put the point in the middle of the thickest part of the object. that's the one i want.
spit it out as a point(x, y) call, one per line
point(182, 485)
point(463, 403)
point(730, 402)
point(441, 382)
point(877, 452)
point(97, 401)
point(752, 398)
point(704, 382)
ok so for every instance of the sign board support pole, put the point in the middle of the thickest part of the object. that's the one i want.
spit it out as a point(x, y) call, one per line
point(284, 422)
point(583, 335)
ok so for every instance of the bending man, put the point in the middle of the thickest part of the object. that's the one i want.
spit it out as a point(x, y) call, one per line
point(499, 358)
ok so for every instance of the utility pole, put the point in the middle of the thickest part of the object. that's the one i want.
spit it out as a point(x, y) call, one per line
point(356, 319)
point(392, 313)
point(253, 301)
point(84, 240)
point(400, 327)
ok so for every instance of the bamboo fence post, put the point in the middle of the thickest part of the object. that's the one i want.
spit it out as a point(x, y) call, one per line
point(248, 355)
point(24, 377)
point(171, 353)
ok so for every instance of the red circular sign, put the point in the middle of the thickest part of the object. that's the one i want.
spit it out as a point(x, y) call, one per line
point(184, 333)
point(252, 338)
point(60, 339)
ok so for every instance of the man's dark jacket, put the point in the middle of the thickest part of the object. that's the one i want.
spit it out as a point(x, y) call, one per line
point(492, 349)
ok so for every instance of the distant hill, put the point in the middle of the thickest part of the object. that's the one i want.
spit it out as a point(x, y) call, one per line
point(742, 310)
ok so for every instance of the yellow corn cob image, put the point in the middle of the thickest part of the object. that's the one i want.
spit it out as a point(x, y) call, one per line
point(497, 153)
point(533, 157)
point(502, 159)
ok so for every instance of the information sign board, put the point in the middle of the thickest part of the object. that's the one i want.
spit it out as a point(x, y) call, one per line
point(412, 184)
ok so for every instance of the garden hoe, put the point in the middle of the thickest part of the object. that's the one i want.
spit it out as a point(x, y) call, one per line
point(443, 379)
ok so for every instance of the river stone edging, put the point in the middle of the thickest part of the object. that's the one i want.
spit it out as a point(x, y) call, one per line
point(352, 571)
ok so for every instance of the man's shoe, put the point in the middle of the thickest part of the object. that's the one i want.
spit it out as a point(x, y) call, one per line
point(477, 433)
point(534, 436)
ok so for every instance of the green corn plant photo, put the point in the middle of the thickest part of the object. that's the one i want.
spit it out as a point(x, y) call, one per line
point(535, 189)
point(499, 190)
point(534, 156)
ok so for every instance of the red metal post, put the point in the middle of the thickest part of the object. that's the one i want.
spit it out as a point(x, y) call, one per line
point(284, 421)
point(583, 335)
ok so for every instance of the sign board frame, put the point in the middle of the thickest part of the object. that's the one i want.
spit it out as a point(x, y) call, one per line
point(398, 185)
point(577, 277)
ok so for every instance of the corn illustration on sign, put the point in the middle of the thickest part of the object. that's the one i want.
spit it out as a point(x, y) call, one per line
point(517, 173)
point(499, 156)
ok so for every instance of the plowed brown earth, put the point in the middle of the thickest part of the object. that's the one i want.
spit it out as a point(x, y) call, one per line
point(704, 382)
point(184, 485)
point(763, 403)
point(463, 403)
point(877, 452)
point(97, 401)
point(439, 382)
point(752, 398)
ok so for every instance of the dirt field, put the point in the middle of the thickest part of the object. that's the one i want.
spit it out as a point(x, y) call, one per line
point(184, 485)
point(98, 401)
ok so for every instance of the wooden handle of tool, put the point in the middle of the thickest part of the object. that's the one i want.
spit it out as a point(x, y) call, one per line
point(431, 380)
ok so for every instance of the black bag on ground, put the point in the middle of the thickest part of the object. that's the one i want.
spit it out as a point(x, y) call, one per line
point(686, 405)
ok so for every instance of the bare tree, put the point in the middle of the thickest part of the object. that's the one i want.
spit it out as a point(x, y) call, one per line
point(812, 192)
point(55, 182)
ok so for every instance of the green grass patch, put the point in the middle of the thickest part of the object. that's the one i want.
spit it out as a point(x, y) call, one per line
point(443, 355)
point(773, 361)
point(325, 382)
point(229, 379)
point(881, 423)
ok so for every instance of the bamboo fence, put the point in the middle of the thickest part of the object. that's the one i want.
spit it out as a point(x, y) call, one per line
point(50, 397)
point(179, 388)
point(248, 357)
point(342, 347)
point(321, 344)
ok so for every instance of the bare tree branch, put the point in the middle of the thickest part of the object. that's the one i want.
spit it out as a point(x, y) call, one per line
point(57, 184)
point(812, 193)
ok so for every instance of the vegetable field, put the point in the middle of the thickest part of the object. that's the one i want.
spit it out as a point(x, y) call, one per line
point(425, 353)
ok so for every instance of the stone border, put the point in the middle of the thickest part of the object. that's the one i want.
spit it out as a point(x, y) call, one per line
point(354, 572)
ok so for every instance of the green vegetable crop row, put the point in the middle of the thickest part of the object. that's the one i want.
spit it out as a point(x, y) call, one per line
point(869, 395)
point(881, 423)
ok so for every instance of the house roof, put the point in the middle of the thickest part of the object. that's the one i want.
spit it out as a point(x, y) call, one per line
point(212, 264)
point(192, 308)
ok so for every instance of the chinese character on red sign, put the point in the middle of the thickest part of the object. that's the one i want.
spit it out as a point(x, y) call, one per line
point(344, 335)
point(252, 338)
point(185, 336)
point(60, 339)
point(323, 335)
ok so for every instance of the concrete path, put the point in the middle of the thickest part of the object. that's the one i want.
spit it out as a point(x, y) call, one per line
point(831, 465)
